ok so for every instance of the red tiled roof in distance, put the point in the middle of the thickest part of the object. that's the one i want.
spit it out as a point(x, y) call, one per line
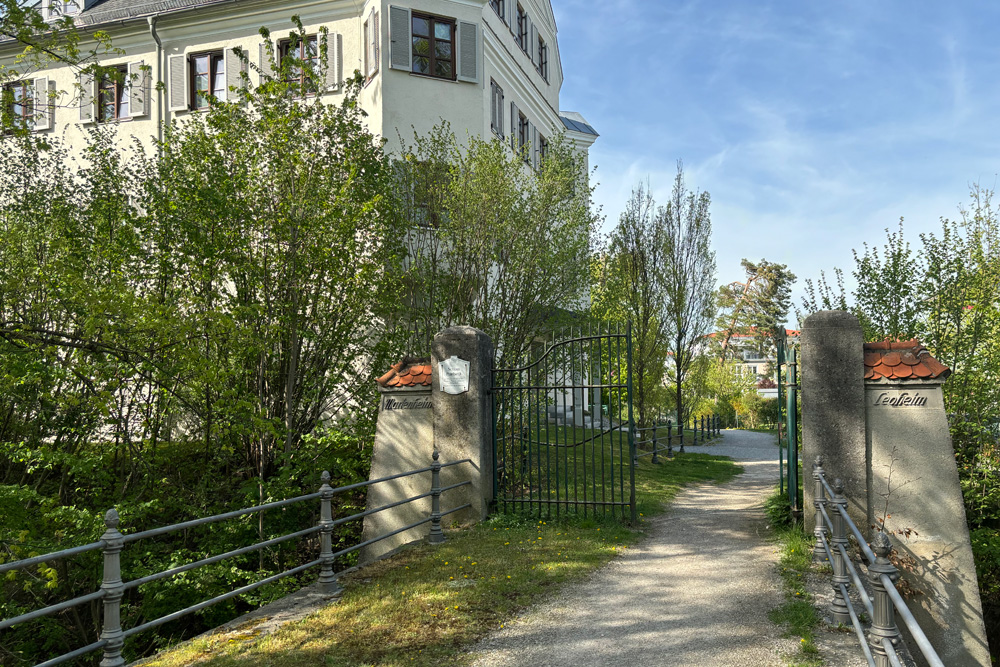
point(409, 372)
point(902, 360)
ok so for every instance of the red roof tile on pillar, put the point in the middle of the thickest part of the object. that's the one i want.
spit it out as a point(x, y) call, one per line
point(407, 373)
point(901, 360)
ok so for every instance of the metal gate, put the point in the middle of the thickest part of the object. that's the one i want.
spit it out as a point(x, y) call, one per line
point(562, 427)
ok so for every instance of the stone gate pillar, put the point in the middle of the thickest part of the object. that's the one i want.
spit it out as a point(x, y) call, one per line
point(833, 408)
point(463, 418)
point(915, 497)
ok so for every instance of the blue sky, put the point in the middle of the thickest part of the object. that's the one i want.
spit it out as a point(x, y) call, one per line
point(814, 125)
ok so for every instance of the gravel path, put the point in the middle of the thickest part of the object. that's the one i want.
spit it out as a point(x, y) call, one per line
point(696, 591)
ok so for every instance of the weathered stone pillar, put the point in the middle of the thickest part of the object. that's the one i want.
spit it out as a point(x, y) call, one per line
point(833, 408)
point(404, 440)
point(463, 422)
point(915, 496)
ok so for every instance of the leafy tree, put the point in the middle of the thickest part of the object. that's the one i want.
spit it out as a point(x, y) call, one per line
point(690, 281)
point(630, 285)
point(178, 330)
point(494, 244)
point(755, 307)
point(887, 297)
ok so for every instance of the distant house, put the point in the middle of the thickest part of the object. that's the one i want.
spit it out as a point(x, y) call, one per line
point(752, 361)
point(489, 67)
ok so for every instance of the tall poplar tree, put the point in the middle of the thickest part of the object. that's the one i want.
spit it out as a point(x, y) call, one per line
point(689, 282)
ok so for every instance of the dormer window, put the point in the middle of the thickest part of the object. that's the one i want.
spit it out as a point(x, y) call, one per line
point(56, 9)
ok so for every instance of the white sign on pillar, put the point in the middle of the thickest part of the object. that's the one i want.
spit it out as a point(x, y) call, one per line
point(454, 375)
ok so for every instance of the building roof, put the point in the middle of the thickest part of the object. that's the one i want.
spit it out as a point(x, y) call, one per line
point(902, 360)
point(104, 11)
point(408, 372)
point(577, 123)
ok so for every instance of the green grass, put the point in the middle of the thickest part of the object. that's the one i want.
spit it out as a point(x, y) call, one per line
point(797, 615)
point(568, 466)
point(427, 605)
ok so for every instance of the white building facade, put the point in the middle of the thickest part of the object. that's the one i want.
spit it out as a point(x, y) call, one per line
point(488, 67)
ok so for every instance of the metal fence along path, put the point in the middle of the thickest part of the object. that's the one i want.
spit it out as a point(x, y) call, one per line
point(113, 543)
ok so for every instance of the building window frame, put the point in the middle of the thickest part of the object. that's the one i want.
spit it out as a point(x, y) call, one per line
point(113, 95)
point(498, 7)
point(543, 147)
point(57, 9)
point(431, 54)
point(215, 78)
point(19, 104)
point(306, 50)
point(496, 108)
point(543, 58)
point(523, 136)
point(372, 43)
point(521, 25)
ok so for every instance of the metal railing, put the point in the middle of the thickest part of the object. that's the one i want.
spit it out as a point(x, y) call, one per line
point(112, 543)
point(885, 601)
point(702, 429)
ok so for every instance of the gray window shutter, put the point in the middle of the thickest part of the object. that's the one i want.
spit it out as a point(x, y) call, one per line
point(374, 38)
point(468, 52)
point(400, 45)
point(44, 111)
point(512, 16)
point(533, 41)
point(179, 88)
point(513, 126)
point(88, 90)
point(533, 134)
point(138, 90)
point(234, 66)
point(333, 58)
point(500, 106)
point(266, 70)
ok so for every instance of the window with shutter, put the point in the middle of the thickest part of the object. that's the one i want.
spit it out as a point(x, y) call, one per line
point(234, 67)
point(208, 78)
point(433, 42)
point(113, 95)
point(543, 58)
point(177, 69)
point(302, 54)
point(88, 91)
point(522, 29)
point(468, 52)
point(523, 136)
point(19, 105)
point(496, 108)
point(371, 45)
point(44, 109)
point(514, 115)
point(400, 47)
point(138, 89)
point(335, 52)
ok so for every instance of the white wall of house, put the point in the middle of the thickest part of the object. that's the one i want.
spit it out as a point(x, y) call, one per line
point(396, 100)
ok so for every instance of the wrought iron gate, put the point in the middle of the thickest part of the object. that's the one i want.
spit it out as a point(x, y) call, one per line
point(562, 427)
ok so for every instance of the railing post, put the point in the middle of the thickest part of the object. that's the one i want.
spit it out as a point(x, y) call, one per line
point(703, 434)
point(437, 535)
point(819, 501)
point(114, 589)
point(656, 445)
point(327, 578)
point(680, 432)
point(838, 538)
point(883, 611)
point(670, 440)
